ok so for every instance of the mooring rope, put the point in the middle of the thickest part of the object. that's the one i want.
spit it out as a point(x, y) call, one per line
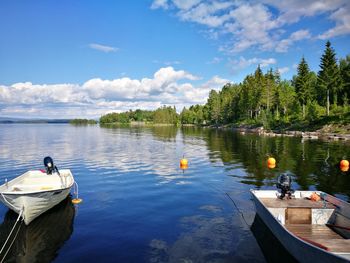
point(234, 203)
point(239, 211)
point(8, 238)
point(76, 189)
point(2, 260)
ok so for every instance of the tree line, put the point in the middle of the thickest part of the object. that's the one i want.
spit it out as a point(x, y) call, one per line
point(162, 115)
point(265, 99)
point(82, 122)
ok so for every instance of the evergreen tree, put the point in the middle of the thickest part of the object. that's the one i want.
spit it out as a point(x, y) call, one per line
point(328, 78)
point(258, 85)
point(302, 84)
point(268, 92)
point(344, 66)
point(214, 107)
point(286, 97)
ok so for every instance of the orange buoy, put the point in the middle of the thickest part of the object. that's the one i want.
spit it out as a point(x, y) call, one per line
point(271, 161)
point(77, 201)
point(344, 163)
point(183, 163)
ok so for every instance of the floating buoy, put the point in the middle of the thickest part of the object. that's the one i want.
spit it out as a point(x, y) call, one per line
point(271, 161)
point(344, 165)
point(183, 163)
point(77, 200)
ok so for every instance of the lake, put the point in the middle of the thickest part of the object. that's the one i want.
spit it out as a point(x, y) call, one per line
point(139, 206)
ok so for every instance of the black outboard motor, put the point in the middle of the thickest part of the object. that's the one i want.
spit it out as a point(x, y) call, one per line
point(49, 165)
point(284, 182)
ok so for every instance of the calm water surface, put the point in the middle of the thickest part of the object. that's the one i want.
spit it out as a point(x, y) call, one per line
point(139, 206)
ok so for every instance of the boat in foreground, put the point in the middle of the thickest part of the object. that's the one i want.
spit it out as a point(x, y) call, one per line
point(35, 192)
point(311, 229)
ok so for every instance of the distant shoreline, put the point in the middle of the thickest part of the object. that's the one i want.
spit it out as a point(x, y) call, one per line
point(34, 121)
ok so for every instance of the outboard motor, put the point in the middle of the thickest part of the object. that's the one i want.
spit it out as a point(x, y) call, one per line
point(284, 182)
point(49, 165)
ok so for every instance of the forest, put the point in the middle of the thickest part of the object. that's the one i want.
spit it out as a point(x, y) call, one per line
point(264, 99)
point(163, 115)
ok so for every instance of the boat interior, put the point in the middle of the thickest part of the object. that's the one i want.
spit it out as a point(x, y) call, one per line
point(324, 223)
point(37, 181)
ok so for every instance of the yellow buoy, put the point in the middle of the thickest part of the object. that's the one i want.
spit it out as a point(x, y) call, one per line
point(77, 201)
point(183, 163)
point(271, 163)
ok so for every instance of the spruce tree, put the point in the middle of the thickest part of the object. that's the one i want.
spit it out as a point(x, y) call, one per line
point(345, 75)
point(328, 78)
point(302, 84)
point(214, 106)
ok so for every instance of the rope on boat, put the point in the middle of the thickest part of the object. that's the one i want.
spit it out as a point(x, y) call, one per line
point(8, 238)
point(239, 211)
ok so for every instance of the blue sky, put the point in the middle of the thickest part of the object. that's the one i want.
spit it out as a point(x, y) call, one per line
point(67, 59)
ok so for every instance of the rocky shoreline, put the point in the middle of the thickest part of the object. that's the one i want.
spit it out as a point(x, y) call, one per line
point(304, 135)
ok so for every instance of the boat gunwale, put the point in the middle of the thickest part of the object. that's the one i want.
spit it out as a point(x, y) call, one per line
point(36, 192)
point(24, 193)
point(335, 254)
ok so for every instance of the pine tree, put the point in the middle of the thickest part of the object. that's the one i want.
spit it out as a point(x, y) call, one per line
point(328, 78)
point(302, 84)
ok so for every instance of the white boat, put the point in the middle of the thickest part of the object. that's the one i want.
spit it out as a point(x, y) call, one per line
point(35, 192)
point(311, 231)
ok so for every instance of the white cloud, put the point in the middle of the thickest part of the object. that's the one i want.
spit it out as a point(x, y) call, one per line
point(342, 27)
point(261, 24)
point(244, 63)
point(284, 44)
point(251, 25)
point(103, 48)
point(200, 95)
point(185, 4)
point(215, 60)
point(283, 70)
point(159, 4)
point(98, 96)
point(204, 13)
